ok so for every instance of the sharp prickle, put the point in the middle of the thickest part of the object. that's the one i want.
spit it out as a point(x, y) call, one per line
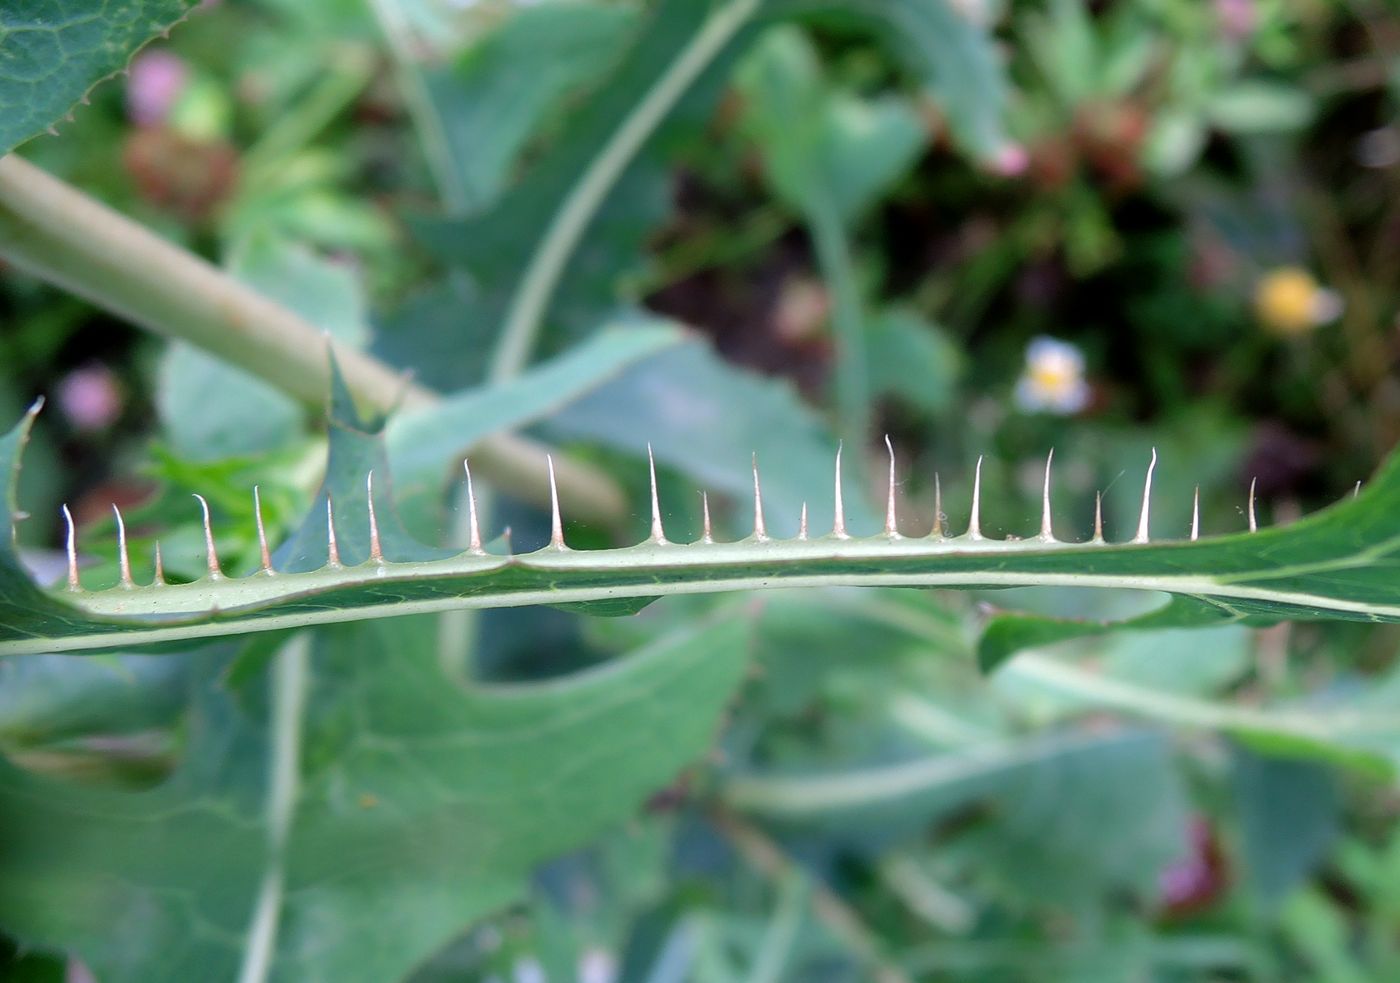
point(71, 545)
point(658, 533)
point(707, 532)
point(937, 531)
point(1047, 531)
point(838, 522)
point(264, 554)
point(891, 530)
point(332, 550)
point(760, 529)
point(211, 555)
point(556, 519)
point(376, 549)
point(1142, 532)
point(474, 527)
point(123, 557)
point(974, 524)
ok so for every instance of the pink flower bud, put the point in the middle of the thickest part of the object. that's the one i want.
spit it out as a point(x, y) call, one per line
point(157, 79)
point(90, 398)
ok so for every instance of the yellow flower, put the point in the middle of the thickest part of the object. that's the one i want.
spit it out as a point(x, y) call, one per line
point(1288, 301)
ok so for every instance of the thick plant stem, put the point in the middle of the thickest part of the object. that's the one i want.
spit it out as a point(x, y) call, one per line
point(852, 378)
point(56, 232)
point(531, 300)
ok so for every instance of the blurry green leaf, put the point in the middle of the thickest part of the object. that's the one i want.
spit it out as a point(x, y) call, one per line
point(1317, 926)
point(29, 967)
point(829, 155)
point(822, 148)
point(1261, 107)
point(938, 43)
point(53, 51)
point(109, 720)
point(421, 807)
point(422, 442)
point(1136, 671)
point(805, 642)
point(705, 417)
point(426, 334)
point(1065, 48)
point(502, 245)
point(1067, 815)
point(204, 110)
point(212, 410)
point(1188, 662)
point(1174, 142)
point(326, 292)
point(1364, 734)
point(913, 360)
point(48, 698)
point(1289, 816)
point(493, 99)
point(1009, 632)
point(495, 246)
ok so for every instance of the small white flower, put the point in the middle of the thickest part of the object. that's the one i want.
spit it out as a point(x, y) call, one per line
point(1053, 380)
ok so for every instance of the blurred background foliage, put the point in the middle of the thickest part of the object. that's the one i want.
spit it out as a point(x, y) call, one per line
point(982, 227)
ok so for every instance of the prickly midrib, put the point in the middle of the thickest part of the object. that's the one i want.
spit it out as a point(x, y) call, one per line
point(1305, 571)
point(692, 566)
point(260, 602)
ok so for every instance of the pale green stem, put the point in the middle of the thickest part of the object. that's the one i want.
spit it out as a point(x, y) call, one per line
point(814, 795)
point(931, 901)
point(290, 682)
point(536, 288)
point(56, 232)
point(852, 378)
point(1181, 711)
point(775, 950)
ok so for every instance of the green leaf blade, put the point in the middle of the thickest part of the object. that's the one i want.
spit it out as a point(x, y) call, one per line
point(53, 51)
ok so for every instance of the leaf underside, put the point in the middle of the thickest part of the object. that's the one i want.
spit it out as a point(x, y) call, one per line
point(1338, 564)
